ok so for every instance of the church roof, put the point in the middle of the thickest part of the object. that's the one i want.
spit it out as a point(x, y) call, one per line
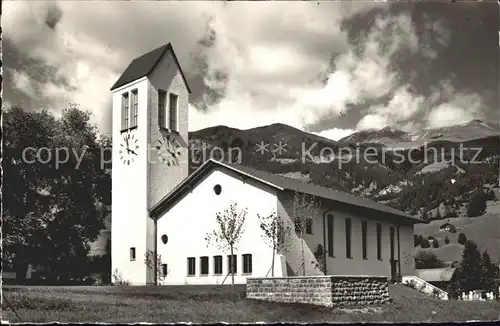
point(144, 65)
point(282, 184)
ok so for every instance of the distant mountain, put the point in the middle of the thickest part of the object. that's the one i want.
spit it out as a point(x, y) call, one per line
point(399, 173)
point(394, 138)
point(387, 135)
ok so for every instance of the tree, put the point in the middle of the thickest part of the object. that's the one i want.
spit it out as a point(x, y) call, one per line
point(304, 209)
point(489, 272)
point(228, 231)
point(424, 243)
point(275, 232)
point(435, 243)
point(416, 240)
point(469, 271)
point(462, 239)
point(446, 240)
point(425, 259)
point(51, 202)
point(155, 264)
point(477, 204)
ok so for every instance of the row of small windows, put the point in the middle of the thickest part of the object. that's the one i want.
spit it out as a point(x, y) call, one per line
point(364, 235)
point(130, 110)
point(204, 265)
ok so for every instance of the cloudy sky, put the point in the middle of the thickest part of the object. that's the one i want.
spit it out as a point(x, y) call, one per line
point(329, 67)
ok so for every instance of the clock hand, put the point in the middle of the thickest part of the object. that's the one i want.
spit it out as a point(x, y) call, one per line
point(131, 151)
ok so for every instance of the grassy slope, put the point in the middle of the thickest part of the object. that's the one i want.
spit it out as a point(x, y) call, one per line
point(483, 230)
point(214, 304)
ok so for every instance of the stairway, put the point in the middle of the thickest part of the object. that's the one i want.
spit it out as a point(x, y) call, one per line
point(424, 287)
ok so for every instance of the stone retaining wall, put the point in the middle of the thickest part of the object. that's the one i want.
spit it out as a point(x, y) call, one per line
point(321, 290)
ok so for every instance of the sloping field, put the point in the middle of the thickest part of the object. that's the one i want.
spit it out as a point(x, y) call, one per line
point(483, 230)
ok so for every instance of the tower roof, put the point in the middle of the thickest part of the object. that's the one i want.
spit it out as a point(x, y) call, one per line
point(144, 65)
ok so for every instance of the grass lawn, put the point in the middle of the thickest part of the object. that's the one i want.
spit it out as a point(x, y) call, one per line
point(215, 303)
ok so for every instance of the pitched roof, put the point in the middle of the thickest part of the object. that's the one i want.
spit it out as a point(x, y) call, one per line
point(144, 65)
point(281, 183)
point(435, 274)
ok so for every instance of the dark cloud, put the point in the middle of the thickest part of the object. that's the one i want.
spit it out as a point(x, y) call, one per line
point(53, 16)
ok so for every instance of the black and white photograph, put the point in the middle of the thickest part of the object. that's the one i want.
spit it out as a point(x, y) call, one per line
point(250, 161)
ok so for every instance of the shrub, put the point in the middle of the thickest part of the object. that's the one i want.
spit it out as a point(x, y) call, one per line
point(446, 240)
point(490, 195)
point(424, 243)
point(412, 284)
point(416, 240)
point(118, 278)
point(425, 259)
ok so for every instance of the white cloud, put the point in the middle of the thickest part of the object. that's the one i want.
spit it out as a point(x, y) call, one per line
point(401, 107)
point(271, 55)
point(449, 107)
point(22, 82)
point(335, 133)
point(372, 121)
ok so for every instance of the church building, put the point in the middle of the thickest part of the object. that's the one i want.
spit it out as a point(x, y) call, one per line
point(160, 210)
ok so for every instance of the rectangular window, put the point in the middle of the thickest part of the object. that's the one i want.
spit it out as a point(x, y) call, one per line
point(391, 236)
point(247, 264)
point(132, 254)
point(164, 270)
point(364, 226)
point(217, 265)
point(172, 111)
point(330, 235)
point(191, 266)
point(134, 108)
point(233, 262)
point(379, 241)
point(348, 252)
point(162, 100)
point(204, 265)
point(125, 112)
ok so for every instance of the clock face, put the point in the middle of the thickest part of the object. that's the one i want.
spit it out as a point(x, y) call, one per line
point(169, 150)
point(129, 147)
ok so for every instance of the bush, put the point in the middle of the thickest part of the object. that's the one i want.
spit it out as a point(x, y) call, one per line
point(490, 195)
point(425, 259)
point(477, 204)
point(424, 243)
point(446, 240)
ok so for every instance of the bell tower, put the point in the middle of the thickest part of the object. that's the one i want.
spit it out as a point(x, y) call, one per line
point(150, 156)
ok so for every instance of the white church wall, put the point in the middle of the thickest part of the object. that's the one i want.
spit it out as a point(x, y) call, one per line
point(190, 219)
point(129, 192)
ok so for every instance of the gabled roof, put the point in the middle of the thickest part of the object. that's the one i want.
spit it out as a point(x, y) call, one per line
point(144, 65)
point(279, 183)
point(435, 274)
